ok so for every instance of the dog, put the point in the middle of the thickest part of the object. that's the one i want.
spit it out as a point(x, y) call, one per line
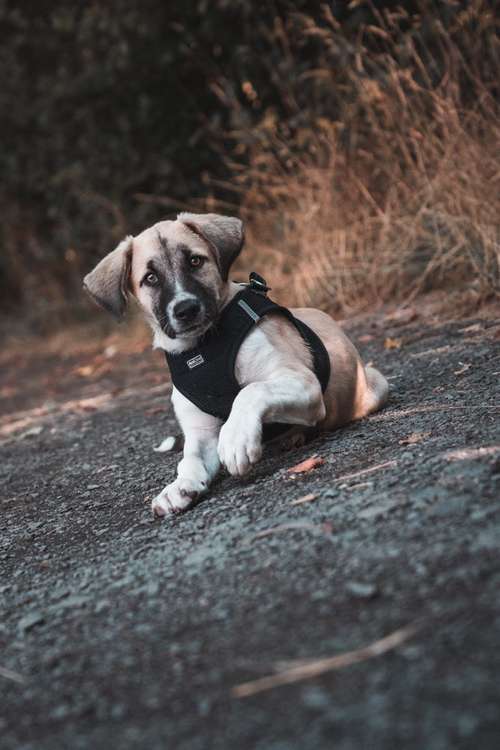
point(178, 271)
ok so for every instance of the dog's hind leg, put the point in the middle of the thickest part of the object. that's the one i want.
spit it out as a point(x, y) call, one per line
point(372, 390)
point(375, 393)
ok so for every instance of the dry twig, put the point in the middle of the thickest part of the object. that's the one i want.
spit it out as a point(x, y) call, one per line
point(320, 666)
point(293, 526)
point(304, 499)
point(10, 675)
point(370, 470)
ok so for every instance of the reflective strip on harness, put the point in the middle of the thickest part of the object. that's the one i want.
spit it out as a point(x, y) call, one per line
point(248, 310)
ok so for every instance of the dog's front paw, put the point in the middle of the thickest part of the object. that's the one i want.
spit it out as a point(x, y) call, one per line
point(240, 444)
point(178, 496)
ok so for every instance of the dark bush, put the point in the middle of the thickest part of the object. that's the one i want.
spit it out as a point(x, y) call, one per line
point(116, 113)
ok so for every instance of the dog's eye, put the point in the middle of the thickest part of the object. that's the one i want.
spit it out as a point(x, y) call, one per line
point(196, 261)
point(151, 279)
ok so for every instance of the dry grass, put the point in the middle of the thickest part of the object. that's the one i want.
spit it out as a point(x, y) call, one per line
point(364, 156)
point(397, 195)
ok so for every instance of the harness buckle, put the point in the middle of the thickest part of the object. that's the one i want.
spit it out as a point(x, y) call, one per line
point(258, 284)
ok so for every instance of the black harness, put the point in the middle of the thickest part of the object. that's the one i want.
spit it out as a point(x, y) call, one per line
point(205, 374)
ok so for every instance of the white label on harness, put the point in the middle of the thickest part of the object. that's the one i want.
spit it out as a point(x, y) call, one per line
point(195, 361)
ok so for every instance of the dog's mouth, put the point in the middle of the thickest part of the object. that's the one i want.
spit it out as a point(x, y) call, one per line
point(194, 330)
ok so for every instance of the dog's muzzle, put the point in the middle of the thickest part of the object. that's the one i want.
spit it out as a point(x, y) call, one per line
point(187, 311)
point(183, 316)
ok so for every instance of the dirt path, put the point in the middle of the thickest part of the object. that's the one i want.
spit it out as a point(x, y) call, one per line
point(120, 631)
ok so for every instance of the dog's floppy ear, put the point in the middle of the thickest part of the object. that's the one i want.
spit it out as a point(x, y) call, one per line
point(107, 283)
point(224, 233)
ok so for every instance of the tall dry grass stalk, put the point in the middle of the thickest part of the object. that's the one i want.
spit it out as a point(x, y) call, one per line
point(398, 194)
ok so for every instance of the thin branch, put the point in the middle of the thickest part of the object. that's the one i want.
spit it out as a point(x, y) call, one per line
point(320, 666)
point(10, 675)
point(284, 527)
point(304, 499)
point(385, 465)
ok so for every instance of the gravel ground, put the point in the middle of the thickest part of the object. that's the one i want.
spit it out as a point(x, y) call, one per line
point(120, 630)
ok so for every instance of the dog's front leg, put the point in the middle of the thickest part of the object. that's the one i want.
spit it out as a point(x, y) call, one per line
point(200, 462)
point(290, 397)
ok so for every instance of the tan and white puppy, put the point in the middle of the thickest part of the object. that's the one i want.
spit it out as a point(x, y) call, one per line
point(178, 273)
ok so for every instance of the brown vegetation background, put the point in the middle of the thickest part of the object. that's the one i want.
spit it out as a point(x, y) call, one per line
point(360, 142)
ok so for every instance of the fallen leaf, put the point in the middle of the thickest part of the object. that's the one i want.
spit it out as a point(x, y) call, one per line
point(166, 445)
point(32, 432)
point(304, 499)
point(402, 316)
point(308, 465)
point(154, 410)
point(463, 369)
point(98, 368)
point(85, 371)
point(92, 403)
point(414, 437)
point(393, 343)
point(474, 328)
point(365, 338)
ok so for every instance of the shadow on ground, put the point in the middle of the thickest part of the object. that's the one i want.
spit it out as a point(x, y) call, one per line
point(120, 630)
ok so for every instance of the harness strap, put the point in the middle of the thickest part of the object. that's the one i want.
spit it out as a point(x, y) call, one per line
point(205, 374)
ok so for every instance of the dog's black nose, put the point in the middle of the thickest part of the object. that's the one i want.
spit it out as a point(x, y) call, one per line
point(186, 310)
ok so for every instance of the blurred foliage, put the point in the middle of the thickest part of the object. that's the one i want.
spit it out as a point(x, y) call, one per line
point(116, 113)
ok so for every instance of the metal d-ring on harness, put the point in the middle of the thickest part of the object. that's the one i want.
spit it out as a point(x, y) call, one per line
point(205, 374)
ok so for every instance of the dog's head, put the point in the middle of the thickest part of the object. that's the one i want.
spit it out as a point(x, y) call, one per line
point(177, 271)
